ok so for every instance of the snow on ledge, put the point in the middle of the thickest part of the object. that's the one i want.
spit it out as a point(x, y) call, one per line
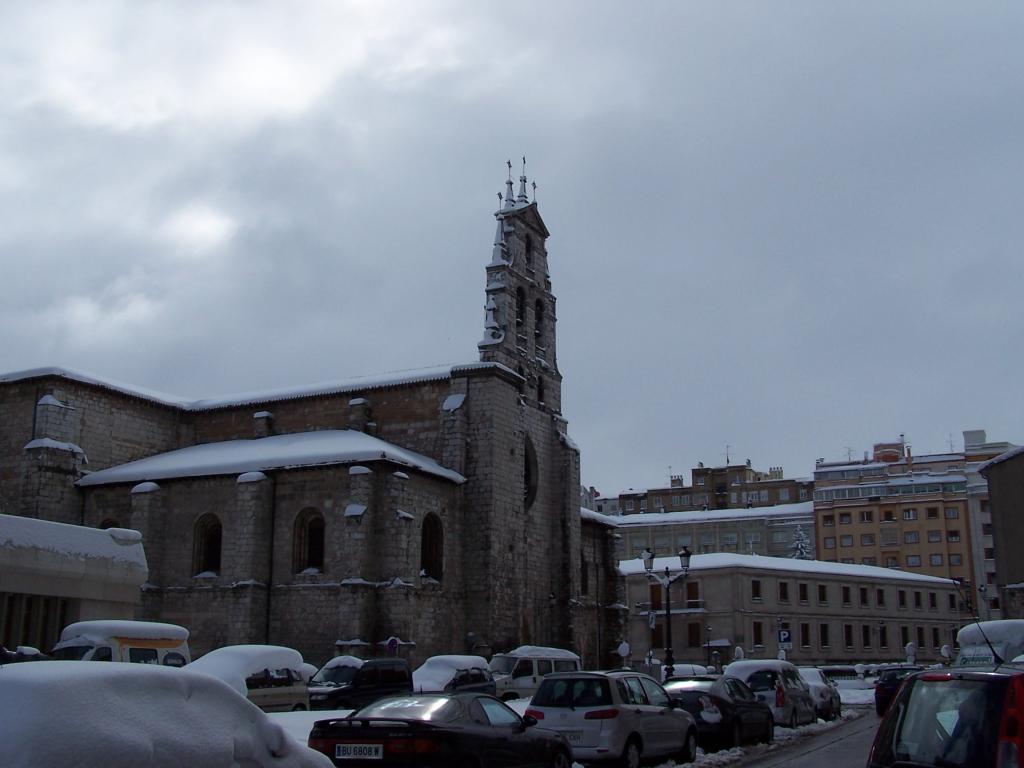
point(51, 400)
point(401, 514)
point(360, 470)
point(453, 403)
point(75, 541)
point(358, 581)
point(355, 510)
point(401, 475)
point(126, 537)
point(57, 445)
point(250, 477)
point(147, 487)
point(263, 415)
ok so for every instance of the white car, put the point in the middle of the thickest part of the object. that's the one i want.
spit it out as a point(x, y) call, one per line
point(128, 715)
point(271, 676)
point(824, 691)
point(622, 716)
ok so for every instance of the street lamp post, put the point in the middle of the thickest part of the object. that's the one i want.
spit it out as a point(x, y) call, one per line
point(982, 590)
point(707, 642)
point(666, 581)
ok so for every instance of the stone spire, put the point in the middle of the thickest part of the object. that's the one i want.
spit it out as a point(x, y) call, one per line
point(522, 199)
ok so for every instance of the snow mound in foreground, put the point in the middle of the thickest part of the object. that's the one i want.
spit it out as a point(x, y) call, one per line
point(114, 715)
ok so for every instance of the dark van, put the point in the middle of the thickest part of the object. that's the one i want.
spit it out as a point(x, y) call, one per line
point(374, 679)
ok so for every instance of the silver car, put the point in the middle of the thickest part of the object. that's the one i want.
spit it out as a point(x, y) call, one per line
point(824, 691)
point(779, 685)
point(620, 716)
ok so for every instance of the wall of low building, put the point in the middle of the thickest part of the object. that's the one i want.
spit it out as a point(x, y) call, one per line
point(1006, 499)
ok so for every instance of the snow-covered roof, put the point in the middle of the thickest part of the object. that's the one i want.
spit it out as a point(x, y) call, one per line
point(344, 661)
point(540, 651)
point(234, 663)
point(719, 560)
point(100, 629)
point(645, 519)
point(92, 714)
point(301, 449)
point(1013, 453)
point(380, 381)
point(75, 541)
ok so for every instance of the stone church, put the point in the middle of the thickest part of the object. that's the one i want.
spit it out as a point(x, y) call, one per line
point(434, 510)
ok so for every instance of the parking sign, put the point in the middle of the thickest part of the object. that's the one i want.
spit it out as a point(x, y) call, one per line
point(785, 640)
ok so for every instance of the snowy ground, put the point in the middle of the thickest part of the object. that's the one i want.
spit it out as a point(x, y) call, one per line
point(856, 693)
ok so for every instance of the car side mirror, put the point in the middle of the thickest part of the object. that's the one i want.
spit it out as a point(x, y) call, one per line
point(529, 721)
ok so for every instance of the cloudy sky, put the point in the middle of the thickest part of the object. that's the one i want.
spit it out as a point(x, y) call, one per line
point(792, 228)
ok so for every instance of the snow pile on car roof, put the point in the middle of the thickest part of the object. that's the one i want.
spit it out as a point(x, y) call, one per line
point(234, 663)
point(344, 661)
point(94, 715)
point(437, 671)
point(533, 651)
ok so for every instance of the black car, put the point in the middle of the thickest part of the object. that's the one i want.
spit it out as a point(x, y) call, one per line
point(948, 718)
point(726, 711)
point(346, 686)
point(439, 729)
point(889, 681)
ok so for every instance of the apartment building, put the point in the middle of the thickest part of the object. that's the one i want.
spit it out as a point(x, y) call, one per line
point(833, 612)
point(1005, 476)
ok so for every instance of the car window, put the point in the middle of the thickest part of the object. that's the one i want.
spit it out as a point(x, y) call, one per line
point(738, 690)
point(566, 665)
point(543, 667)
point(573, 692)
point(941, 720)
point(762, 680)
point(655, 693)
point(477, 676)
point(476, 713)
point(636, 691)
point(103, 653)
point(524, 668)
point(393, 674)
point(174, 659)
point(498, 714)
point(143, 656)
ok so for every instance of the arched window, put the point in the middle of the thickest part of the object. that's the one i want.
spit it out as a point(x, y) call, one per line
point(528, 251)
point(206, 545)
point(109, 523)
point(432, 547)
point(540, 389)
point(538, 318)
point(308, 538)
point(520, 306)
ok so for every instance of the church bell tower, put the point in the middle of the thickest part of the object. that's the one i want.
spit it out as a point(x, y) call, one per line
point(519, 329)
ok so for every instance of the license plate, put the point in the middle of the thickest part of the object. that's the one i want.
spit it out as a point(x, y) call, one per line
point(358, 751)
point(573, 737)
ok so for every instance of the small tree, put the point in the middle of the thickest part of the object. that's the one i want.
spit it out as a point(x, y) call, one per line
point(801, 547)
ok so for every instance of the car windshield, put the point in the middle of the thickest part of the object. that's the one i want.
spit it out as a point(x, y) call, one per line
point(573, 692)
point(502, 665)
point(762, 680)
point(889, 675)
point(812, 675)
point(433, 708)
point(689, 685)
point(337, 675)
point(71, 652)
point(943, 721)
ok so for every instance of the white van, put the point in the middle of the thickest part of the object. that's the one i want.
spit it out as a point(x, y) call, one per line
point(1006, 637)
point(140, 642)
point(518, 673)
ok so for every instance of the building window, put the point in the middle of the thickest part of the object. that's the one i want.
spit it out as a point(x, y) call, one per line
point(828, 520)
point(890, 537)
point(848, 635)
point(830, 542)
point(805, 635)
point(933, 601)
point(803, 494)
point(823, 635)
point(935, 559)
point(951, 601)
point(911, 537)
point(904, 636)
point(308, 542)
point(913, 561)
point(892, 562)
point(953, 536)
point(432, 547)
point(844, 518)
point(910, 514)
point(952, 513)
point(675, 501)
point(206, 545)
point(802, 589)
point(867, 516)
point(684, 540)
point(867, 539)
point(783, 591)
point(883, 636)
point(901, 598)
point(657, 502)
point(643, 505)
point(869, 561)
point(846, 595)
point(932, 513)
point(935, 637)
point(934, 536)
point(822, 594)
point(864, 603)
point(846, 541)
point(629, 505)
point(918, 600)
point(780, 537)
point(783, 494)
point(684, 500)
point(888, 516)
point(755, 589)
point(758, 633)
point(955, 559)
point(520, 306)
point(920, 637)
point(865, 635)
point(880, 597)
point(538, 318)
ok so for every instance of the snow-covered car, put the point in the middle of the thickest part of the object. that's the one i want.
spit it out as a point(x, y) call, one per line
point(778, 684)
point(271, 676)
point(454, 673)
point(128, 715)
point(824, 691)
point(346, 682)
point(518, 673)
point(140, 642)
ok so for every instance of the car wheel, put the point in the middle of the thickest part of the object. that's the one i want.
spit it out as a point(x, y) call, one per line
point(792, 719)
point(769, 734)
point(561, 760)
point(630, 754)
point(689, 753)
point(737, 734)
point(299, 708)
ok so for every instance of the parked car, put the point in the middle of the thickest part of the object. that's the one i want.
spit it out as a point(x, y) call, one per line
point(779, 685)
point(61, 713)
point(890, 678)
point(454, 673)
point(346, 682)
point(619, 716)
point(141, 642)
point(519, 673)
point(21, 653)
point(269, 676)
point(439, 729)
point(824, 691)
point(726, 711)
point(953, 717)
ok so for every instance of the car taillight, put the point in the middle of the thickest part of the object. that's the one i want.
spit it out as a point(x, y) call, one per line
point(780, 696)
point(1010, 752)
point(535, 713)
point(320, 745)
point(421, 745)
point(601, 714)
point(707, 704)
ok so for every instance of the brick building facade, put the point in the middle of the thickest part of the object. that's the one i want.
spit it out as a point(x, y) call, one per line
point(440, 507)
